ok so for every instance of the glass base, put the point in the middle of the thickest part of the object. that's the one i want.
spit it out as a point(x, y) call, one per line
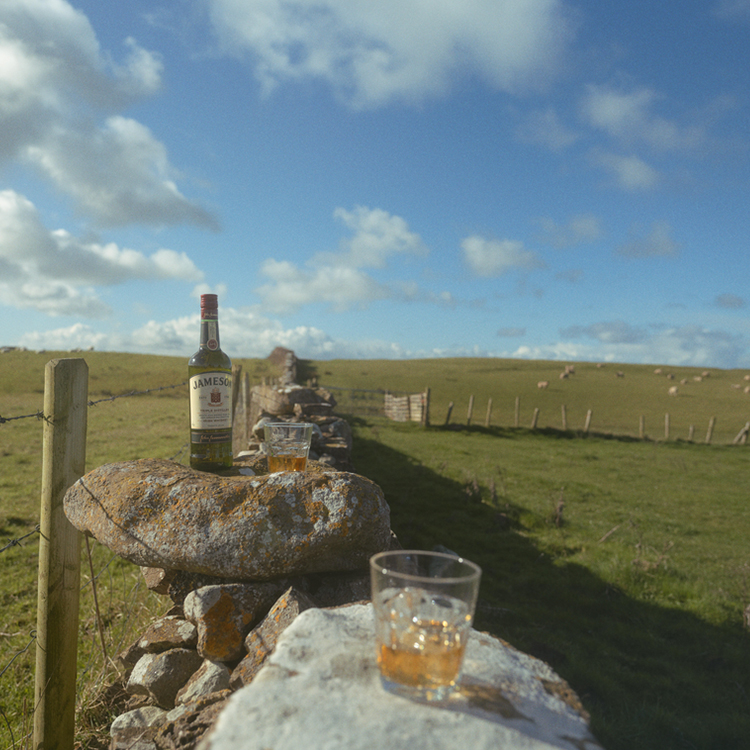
point(439, 694)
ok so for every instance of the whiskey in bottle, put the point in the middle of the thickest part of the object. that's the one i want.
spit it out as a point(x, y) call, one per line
point(210, 384)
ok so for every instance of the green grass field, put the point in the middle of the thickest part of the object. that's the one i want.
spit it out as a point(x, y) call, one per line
point(621, 562)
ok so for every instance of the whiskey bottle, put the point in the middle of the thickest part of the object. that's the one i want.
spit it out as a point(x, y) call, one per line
point(210, 384)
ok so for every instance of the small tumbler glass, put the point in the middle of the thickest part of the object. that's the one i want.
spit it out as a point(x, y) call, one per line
point(424, 606)
point(287, 445)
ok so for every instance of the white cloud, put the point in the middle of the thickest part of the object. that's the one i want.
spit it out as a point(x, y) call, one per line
point(657, 243)
point(582, 228)
point(630, 172)
point(496, 257)
point(372, 53)
point(730, 301)
point(627, 117)
point(337, 279)
point(55, 86)
point(545, 128)
point(55, 272)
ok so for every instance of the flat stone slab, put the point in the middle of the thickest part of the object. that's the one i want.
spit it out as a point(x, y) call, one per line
point(321, 690)
point(240, 524)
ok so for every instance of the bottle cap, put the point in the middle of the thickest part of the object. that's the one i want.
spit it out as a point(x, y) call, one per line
point(209, 302)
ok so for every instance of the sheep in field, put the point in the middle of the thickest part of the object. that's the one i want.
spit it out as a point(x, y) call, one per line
point(672, 391)
point(542, 384)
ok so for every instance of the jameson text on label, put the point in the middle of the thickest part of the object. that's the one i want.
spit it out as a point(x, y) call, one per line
point(211, 401)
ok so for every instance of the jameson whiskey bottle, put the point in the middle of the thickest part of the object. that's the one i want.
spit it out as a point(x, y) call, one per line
point(210, 384)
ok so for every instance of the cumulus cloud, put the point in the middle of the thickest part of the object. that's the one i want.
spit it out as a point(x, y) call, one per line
point(373, 53)
point(630, 172)
point(581, 229)
point(545, 128)
point(59, 98)
point(616, 332)
point(628, 117)
point(54, 272)
point(495, 257)
point(339, 279)
point(657, 243)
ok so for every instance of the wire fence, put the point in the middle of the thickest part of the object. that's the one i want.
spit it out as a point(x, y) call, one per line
point(113, 598)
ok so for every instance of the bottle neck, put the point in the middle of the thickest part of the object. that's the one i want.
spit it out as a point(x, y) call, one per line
point(210, 330)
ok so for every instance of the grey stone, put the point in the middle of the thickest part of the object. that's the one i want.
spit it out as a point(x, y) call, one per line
point(261, 640)
point(321, 689)
point(168, 632)
point(210, 678)
point(158, 513)
point(160, 676)
point(185, 725)
point(224, 615)
point(138, 718)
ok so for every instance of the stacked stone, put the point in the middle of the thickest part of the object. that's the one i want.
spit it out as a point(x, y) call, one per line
point(332, 436)
point(240, 555)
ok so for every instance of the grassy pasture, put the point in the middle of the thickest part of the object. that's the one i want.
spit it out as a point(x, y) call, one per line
point(623, 563)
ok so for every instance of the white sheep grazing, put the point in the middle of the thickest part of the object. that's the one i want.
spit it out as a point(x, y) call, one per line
point(570, 369)
point(620, 374)
point(563, 375)
point(672, 391)
point(542, 384)
point(657, 371)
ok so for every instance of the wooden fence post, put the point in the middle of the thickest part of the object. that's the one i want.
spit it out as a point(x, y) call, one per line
point(666, 426)
point(471, 410)
point(518, 411)
point(710, 433)
point(535, 418)
point(564, 417)
point(489, 412)
point(448, 415)
point(588, 421)
point(426, 409)
point(741, 438)
point(642, 427)
point(691, 432)
point(63, 462)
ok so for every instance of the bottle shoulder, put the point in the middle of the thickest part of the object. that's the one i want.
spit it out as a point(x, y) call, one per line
point(206, 359)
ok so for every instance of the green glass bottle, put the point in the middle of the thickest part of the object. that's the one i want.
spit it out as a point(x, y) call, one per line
point(210, 384)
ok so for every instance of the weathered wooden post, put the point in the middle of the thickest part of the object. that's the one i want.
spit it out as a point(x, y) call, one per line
point(518, 411)
point(63, 462)
point(448, 415)
point(426, 409)
point(535, 418)
point(691, 433)
point(587, 424)
point(710, 433)
point(489, 413)
point(471, 410)
point(564, 417)
point(642, 427)
point(666, 426)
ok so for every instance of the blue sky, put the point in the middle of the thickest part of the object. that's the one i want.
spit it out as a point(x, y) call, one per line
point(541, 179)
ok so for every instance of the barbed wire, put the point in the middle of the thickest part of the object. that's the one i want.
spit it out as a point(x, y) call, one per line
point(40, 414)
point(32, 639)
point(17, 542)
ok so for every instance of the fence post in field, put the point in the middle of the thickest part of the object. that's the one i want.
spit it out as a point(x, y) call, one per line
point(489, 412)
point(710, 433)
point(666, 426)
point(742, 435)
point(518, 411)
point(448, 415)
point(535, 418)
point(564, 417)
point(691, 432)
point(63, 462)
point(587, 424)
point(471, 410)
point(642, 427)
point(426, 409)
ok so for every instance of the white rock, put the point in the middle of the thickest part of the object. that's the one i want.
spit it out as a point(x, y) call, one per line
point(321, 690)
point(138, 718)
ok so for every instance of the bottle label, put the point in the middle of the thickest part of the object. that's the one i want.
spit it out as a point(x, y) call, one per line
point(211, 401)
point(213, 337)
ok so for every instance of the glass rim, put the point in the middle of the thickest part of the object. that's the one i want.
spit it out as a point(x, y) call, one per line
point(377, 566)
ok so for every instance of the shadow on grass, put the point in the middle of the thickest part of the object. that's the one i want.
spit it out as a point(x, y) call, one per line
point(652, 678)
